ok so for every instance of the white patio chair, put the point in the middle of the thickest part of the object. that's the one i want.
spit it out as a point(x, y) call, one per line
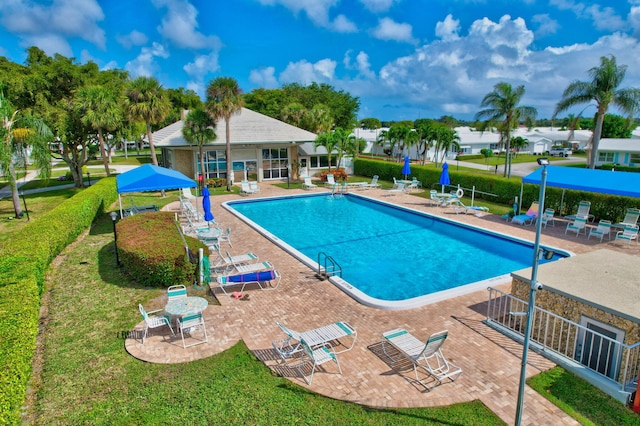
point(630, 233)
point(547, 217)
point(604, 228)
point(427, 356)
point(188, 324)
point(330, 181)
point(578, 225)
point(308, 184)
point(315, 357)
point(374, 182)
point(176, 292)
point(225, 238)
point(330, 333)
point(153, 321)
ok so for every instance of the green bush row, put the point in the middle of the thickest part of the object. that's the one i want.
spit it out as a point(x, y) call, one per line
point(152, 251)
point(464, 157)
point(24, 260)
point(505, 191)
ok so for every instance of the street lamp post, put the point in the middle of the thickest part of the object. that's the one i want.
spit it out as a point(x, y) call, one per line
point(533, 286)
point(114, 218)
point(89, 178)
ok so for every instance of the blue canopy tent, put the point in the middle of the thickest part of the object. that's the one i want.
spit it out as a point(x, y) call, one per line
point(151, 178)
point(624, 184)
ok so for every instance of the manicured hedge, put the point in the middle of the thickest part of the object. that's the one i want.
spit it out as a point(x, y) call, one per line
point(152, 251)
point(603, 206)
point(24, 260)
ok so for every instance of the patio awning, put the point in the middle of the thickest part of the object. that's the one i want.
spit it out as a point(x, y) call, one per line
point(625, 184)
point(152, 178)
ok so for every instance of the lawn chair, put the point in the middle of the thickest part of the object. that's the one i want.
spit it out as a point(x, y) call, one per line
point(374, 183)
point(253, 267)
point(630, 218)
point(547, 217)
point(330, 181)
point(225, 238)
point(399, 188)
point(604, 228)
point(186, 194)
point(308, 184)
point(315, 357)
point(427, 356)
point(434, 198)
point(264, 279)
point(246, 189)
point(153, 321)
point(583, 211)
point(460, 207)
point(227, 262)
point(529, 216)
point(578, 225)
point(188, 324)
point(176, 292)
point(630, 233)
point(330, 333)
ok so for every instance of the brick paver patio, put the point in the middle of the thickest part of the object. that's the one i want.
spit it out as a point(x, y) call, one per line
point(490, 361)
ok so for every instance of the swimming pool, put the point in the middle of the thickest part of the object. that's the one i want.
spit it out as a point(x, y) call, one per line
point(391, 257)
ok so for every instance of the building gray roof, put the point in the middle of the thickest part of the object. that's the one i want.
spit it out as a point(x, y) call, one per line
point(620, 145)
point(246, 127)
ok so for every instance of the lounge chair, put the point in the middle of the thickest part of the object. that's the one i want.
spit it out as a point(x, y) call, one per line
point(628, 234)
point(547, 217)
point(153, 321)
point(308, 184)
point(315, 357)
point(330, 181)
point(604, 228)
point(225, 237)
point(246, 189)
point(630, 218)
point(434, 198)
point(227, 262)
point(186, 194)
point(578, 225)
point(459, 207)
point(188, 324)
point(374, 183)
point(529, 216)
point(583, 211)
point(254, 187)
point(266, 280)
point(253, 267)
point(399, 188)
point(330, 333)
point(427, 356)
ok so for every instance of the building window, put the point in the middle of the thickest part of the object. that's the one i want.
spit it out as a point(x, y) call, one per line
point(274, 163)
point(215, 164)
point(318, 161)
point(634, 159)
point(605, 157)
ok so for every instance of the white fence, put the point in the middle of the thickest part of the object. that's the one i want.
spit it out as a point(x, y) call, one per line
point(587, 346)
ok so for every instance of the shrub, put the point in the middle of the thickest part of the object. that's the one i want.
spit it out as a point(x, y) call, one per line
point(217, 182)
point(23, 262)
point(338, 175)
point(153, 253)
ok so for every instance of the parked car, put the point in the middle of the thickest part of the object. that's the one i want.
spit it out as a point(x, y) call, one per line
point(559, 152)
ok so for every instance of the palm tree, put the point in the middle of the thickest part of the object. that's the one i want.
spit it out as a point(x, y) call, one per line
point(329, 142)
point(148, 102)
point(603, 89)
point(446, 139)
point(319, 119)
point(504, 112)
point(224, 99)
point(345, 142)
point(101, 110)
point(199, 127)
point(18, 132)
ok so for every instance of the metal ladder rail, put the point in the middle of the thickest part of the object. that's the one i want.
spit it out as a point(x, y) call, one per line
point(329, 267)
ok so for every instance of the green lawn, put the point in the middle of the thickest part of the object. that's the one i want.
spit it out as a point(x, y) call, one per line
point(583, 402)
point(519, 158)
point(88, 378)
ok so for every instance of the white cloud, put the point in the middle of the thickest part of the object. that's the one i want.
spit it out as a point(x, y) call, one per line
point(378, 5)
point(634, 20)
point(202, 65)
point(134, 38)
point(180, 26)
point(448, 29)
point(305, 73)
point(361, 65)
point(317, 11)
point(145, 64)
point(264, 77)
point(546, 25)
point(388, 29)
point(603, 18)
point(343, 25)
point(48, 26)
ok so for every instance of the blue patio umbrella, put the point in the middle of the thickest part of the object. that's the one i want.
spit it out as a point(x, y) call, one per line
point(406, 169)
point(444, 176)
point(206, 205)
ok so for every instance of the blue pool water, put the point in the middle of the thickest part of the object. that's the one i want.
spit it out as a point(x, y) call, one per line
point(386, 251)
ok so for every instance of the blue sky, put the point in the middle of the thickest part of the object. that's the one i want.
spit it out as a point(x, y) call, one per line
point(404, 59)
